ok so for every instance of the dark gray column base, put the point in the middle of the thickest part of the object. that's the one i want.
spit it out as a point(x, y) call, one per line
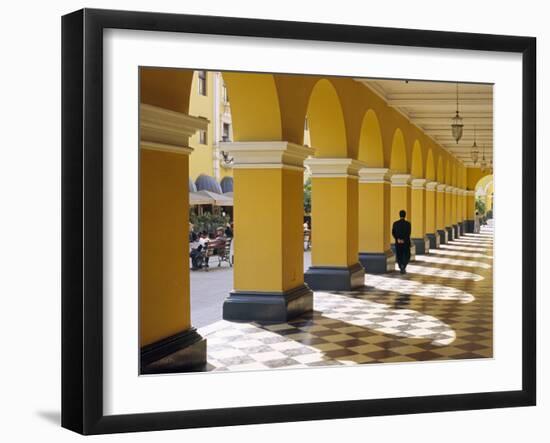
point(460, 228)
point(455, 231)
point(377, 262)
point(183, 352)
point(330, 278)
point(443, 236)
point(422, 245)
point(469, 226)
point(450, 233)
point(267, 307)
point(434, 240)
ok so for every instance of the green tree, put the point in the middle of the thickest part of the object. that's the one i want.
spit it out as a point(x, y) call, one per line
point(207, 221)
point(307, 196)
point(480, 206)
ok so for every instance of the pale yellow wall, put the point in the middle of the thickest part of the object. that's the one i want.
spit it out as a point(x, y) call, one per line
point(201, 160)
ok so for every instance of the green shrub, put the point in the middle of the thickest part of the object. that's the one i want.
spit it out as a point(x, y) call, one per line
point(207, 221)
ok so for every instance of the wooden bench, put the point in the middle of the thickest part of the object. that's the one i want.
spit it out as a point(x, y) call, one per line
point(223, 254)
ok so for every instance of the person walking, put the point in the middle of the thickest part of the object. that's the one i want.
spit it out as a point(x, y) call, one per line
point(401, 232)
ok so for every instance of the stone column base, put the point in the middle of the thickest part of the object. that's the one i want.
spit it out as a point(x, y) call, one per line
point(450, 233)
point(455, 231)
point(377, 262)
point(443, 236)
point(267, 307)
point(333, 278)
point(469, 226)
point(422, 245)
point(434, 240)
point(183, 352)
point(460, 228)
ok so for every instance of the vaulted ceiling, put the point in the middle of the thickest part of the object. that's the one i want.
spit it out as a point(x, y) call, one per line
point(432, 105)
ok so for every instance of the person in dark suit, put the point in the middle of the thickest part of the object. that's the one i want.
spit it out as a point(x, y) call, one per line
point(401, 232)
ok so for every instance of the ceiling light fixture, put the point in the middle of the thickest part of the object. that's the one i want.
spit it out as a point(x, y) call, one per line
point(457, 126)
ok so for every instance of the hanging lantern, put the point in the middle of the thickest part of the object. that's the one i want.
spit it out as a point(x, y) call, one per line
point(457, 126)
point(475, 151)
point(483, 163)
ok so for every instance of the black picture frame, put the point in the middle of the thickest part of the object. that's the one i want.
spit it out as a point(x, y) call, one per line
point(82, 218)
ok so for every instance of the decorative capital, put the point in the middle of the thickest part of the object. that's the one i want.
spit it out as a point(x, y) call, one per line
point(418, 183)
point(441, 187)
point(266, 154)
point(374, 175)
point(166, 130)
point(449, 189)
point(431, 186)
point(401, 180)
point(334, 167)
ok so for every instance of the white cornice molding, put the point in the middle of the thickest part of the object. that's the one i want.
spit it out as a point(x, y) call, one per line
point(431, 186)
point(266, 154)
point(166, 127)
point(441, 187)
point(418, 183)
point(151, 146)
point(374, 175)
point(448, 189)
point(400, 180)
point(334, 167)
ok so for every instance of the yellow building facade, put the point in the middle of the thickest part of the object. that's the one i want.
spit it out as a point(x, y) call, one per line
point(209, 99)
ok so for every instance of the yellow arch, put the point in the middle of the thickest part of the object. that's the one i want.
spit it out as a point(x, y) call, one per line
point(398, 159)
point(417, 169)
point(166, 87)
point(430, 166)
point(255, 110)
point(327, 127)
point(484, 181)
point(371, 148)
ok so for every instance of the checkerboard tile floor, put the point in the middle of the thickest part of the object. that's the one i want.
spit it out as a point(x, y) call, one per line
point(441, 309)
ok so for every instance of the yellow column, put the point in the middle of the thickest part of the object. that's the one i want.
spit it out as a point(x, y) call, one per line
point(334, 225)
point(449, 213)
point(168, 341)
point(460, 203)
point(431, 215)
point(375, 252)
point(470, 210)
point(418, 216)
point(440, 218)
point(268, 218)
point(401, 199)
point(454, 216)
point(465, 209)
